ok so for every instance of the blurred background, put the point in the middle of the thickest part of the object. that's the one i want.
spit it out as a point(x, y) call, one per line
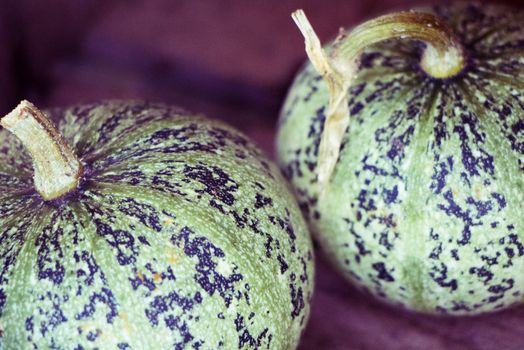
point(232, 60)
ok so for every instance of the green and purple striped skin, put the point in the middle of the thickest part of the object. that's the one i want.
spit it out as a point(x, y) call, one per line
point(424, 207)
point(181, 235)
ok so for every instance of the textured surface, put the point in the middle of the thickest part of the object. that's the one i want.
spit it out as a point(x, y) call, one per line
point(423, 208)
point(181, 235)
point(341, 317)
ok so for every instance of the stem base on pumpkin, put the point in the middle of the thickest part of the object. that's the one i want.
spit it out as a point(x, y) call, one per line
point(442, 58)
point(57, 169)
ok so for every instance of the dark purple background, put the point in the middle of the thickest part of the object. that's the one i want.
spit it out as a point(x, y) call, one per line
point(231, 60)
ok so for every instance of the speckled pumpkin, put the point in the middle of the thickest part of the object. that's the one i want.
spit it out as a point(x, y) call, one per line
point(425, 205)
point(180, 235)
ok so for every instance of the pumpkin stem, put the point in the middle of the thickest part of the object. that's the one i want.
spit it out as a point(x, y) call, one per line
point(443, 57)
point(57, 170)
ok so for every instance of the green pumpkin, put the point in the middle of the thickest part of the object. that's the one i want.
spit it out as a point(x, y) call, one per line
point(179, 234)
point(424, 207)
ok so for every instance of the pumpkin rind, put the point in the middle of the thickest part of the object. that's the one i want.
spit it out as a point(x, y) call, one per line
point(180, 235)
point(424, 206)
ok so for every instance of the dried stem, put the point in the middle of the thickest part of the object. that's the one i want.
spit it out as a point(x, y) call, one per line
point(442, 58)
point(57, 169)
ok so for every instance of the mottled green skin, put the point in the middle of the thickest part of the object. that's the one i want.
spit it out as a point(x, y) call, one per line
point(424, 208)
point(181, 235)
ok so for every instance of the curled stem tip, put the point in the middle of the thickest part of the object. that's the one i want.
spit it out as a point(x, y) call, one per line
point(442, 58)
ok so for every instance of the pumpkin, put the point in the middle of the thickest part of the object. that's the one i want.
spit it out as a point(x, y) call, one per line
point(145, 227)
point(407, 156)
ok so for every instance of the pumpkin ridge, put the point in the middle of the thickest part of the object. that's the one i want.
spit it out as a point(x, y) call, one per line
point(27, 202)
point(506, 158)
point(401, 96)
point(112, 204)
point(175, 206)
point(496, 28)
point(104, 122)
point(491, 119)
point(481, 276)
point(394, 104)
point(111, 280)
point(15, 161)
point(134, 177)
point(193, 140)
point(95, 119)
point(487, 57)
point(9, 189)
point(135, 137)
point(496, 76)
point(26, 233)
point(414, 228)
